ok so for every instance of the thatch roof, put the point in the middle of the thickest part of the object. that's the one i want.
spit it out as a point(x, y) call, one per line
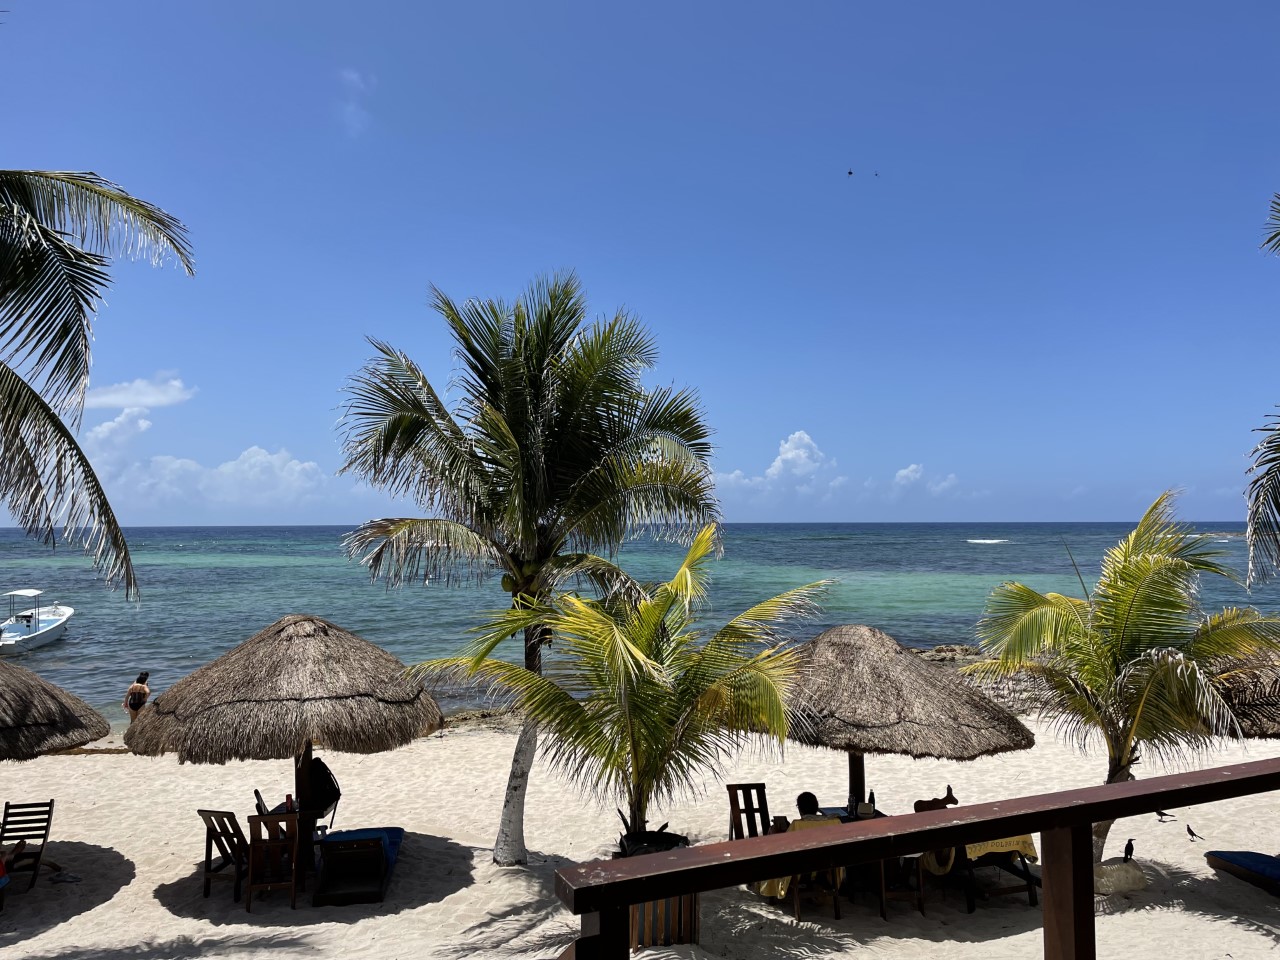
point(861, 692)
point(1252, 689)
point(36, 717)
point(300, 679)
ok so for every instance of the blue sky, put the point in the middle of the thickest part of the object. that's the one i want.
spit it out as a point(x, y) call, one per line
point(1049, 304)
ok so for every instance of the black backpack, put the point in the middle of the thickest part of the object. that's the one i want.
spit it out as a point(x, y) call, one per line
point(325, 791)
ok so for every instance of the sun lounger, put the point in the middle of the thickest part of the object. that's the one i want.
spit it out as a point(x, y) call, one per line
point(1256, 868)
point(356, 865)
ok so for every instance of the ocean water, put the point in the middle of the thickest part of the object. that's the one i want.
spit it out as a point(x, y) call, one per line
point(205, 589)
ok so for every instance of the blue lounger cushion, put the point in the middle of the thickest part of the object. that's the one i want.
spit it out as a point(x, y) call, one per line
point(356, 865)
point(391, 838)
point(1257, 868)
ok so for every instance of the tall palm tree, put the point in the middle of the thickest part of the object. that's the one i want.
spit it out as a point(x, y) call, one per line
point(554, 452)
point(58, 232)
point(644, 700)
point(1263, 494)
point(1136, 663)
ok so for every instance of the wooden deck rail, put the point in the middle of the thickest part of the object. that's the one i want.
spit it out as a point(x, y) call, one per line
point(603, 890)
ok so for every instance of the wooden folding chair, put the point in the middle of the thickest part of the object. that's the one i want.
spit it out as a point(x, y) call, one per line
point(29, 822)
point(748, 810)
point(828, 880)
point(274, 861)
point(222, 830)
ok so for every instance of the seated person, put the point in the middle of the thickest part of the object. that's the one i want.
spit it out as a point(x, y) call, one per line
point(807, 804)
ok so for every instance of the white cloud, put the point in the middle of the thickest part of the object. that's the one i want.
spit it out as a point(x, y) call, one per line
point(258, 483)
point(160, 391)
point(800, 470)
point(908, 475)
point(256, 478)
point(356, 89)
point(937, 487)
point(798, 456)
point(129, 424)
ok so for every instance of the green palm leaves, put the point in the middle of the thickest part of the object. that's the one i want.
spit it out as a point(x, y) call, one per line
point(57, 234)
point(642, 700)
point(554, 452)
point(1134, 663)
point(554, 447)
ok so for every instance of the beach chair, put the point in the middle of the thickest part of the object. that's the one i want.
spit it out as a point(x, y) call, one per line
point(748, 810)
point(356, 865)
point(824, 881)
point(274, 857)
point(1261, 870)
point(27, 826)
point(222, 831)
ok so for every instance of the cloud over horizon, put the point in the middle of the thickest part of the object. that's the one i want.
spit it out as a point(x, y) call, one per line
point(164, 488)
point(800, 472)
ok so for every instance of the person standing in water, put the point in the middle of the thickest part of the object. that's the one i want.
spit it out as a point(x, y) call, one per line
point(135, 697)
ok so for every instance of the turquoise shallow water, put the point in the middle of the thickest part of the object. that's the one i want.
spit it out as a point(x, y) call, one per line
point(205, 589)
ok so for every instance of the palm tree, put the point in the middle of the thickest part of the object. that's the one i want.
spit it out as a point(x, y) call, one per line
point(58, 232)
point(644, 701)
point(1136, 663)
point(553, 453)
point(1263, 494)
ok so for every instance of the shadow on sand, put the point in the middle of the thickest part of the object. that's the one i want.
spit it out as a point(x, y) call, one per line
point(27, 913)
point(428, 870)
point(1221, 898)
point(536, 927)
point(180, 948)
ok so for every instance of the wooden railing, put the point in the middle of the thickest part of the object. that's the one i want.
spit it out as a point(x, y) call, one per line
point(602, 891)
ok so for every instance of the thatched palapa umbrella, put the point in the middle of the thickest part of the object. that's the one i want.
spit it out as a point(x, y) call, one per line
point(300, 680)
point(1251, 689)
point(861, 692)
point(36, 717)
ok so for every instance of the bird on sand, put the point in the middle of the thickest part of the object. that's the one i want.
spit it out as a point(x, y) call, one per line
point(1128, 850)
point(1165, 817)
point(1192, 834)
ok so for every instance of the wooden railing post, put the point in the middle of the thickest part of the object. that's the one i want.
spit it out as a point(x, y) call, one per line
point(1067, 874)
point(606, 935)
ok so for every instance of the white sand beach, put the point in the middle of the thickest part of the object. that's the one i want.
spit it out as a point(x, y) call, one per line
point(127, 826)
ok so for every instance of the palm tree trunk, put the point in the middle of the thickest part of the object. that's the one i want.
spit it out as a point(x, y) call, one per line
point(1117, 773)
point(509, 847)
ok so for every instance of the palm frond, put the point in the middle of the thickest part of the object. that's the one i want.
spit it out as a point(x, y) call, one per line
point(1263, 496)
point(400, 549)
point(1019, 624)
point(46, 481)
point(1271, 242)
point(57, 230)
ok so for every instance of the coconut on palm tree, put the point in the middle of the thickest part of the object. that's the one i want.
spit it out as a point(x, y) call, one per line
point(1135, 663)
point(58, 232)
point(554, 452)
point(643, 701)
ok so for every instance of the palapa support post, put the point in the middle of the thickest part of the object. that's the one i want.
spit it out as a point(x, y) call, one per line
point(302, 777)
point(857, 778)
point(1067, 874)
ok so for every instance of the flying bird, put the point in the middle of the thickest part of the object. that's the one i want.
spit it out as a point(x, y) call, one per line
point(1165, 817)
point(1128, 850)
point(1192, 834)
point(851, 173)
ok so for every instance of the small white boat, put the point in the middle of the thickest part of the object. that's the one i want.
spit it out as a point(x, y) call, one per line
point(27, 629)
